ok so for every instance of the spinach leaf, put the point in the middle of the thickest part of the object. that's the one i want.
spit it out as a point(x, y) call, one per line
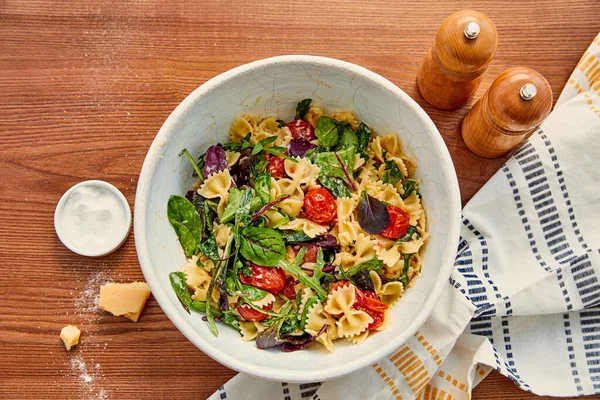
point(392, 174)
point(233, 203)
point(347, 138)
point(180, 288)
point(262, 246)
point(256, 204)
point(372, 214)
point(242, 214)
point(330, 166)
point(409, 235)
point(186, 222)
point(327, 132)
point(262, 186)
point(252, 292)
point(373, 264)
point(295, 236)
point(209, 247)
point(260, 146)
point(364, 137)
point(197, 168)
point(302, 108)
point(335, 186)
point(408, 186)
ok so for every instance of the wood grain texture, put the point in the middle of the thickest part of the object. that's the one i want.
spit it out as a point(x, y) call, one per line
point(84, 87)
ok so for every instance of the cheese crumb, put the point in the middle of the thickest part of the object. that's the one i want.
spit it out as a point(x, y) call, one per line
point(127, 299)
point(70, 335)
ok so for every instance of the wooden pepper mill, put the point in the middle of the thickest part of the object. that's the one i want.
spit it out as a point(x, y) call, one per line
point(516, 103)
point(451, 72)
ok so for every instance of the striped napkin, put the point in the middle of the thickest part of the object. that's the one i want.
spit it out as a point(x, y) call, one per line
point(524, 296)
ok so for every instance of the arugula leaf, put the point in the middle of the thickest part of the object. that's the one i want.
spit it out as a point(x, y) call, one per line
point(260, 146)
point(262, 186)
point(373, 264)
point(347, 138)
point(262, 246)
point(364, 137)
point(186, 222)
point(327, 132)
point(229, 318)
point(217, 276)
point(404, 277)
point(258, 165)
point(302, 108)
point(209, 247)
point(408, 186)
point(408, 235)
point(392, 174)
point(336, 186)
point(246, 270)
point(309, 303)
point(280, 152)
point(233, 203)
point(197, 168)
point(180, 288)
point(313, 282)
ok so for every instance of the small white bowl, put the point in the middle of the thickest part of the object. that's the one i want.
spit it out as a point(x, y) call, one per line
point(108, 240)
point(273, 87)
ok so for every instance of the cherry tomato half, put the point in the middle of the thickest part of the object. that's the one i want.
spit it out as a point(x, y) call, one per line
point(397, 225)
point(270, 279)
point(302, 129)
point(369, 303)
point(320, 206)
point(250, 314)
point(377, 317)
point(276, 166)
point(289, 289)
point(311, 252)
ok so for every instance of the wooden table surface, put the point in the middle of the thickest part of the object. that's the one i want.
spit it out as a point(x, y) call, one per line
point(84, 87)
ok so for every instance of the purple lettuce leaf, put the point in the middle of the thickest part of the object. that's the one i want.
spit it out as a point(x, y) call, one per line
point(215, 161)
point(298, 147)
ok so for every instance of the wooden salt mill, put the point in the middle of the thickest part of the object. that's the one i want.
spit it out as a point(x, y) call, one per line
point(516, 103)
point(451, 72)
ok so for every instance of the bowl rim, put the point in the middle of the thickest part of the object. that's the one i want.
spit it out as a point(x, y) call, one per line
point(157, 284)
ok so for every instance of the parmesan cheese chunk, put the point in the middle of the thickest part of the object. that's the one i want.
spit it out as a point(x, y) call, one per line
point(70, 335)
point(127, 299)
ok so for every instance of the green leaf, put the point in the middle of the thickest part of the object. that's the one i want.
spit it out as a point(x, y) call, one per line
point(295, 236)
point(209, 247)
point(260, 146)
point(302, 108)
point(327, 131)
point(309, 303)
point(262, 186)
point(409, 235)
point(336, 186)
point(280, 123)
point(280, 152)
point(404, 277)
point(330, 166)
point(364, 137)
point(253, 293)
point(258, 165)
point(262, 246)
point(373, 264)
point(197, 168)
point(347, 138)
point(314, 281)
point(180, 288)
point(242, 214)
point(256, 204)
point(233, 203)
point(408, 186)
point(229, 318)
point(392, 174)
point(186, 222)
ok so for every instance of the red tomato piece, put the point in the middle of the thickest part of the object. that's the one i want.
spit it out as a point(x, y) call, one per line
point(302, 129)
point(250, 314)
point(320, 206)
point(397, 225)
point(369, 300)
point(289, 289)
point(271, 279)
point(311, 252)
point(377, 317)
point(276, 166)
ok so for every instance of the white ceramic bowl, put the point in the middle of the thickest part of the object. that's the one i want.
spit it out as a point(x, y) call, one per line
point(273, 86)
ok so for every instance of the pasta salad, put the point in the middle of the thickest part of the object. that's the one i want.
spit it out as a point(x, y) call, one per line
point(299, 232)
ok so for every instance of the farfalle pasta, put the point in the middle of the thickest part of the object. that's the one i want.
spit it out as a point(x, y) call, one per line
point(300, 232)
